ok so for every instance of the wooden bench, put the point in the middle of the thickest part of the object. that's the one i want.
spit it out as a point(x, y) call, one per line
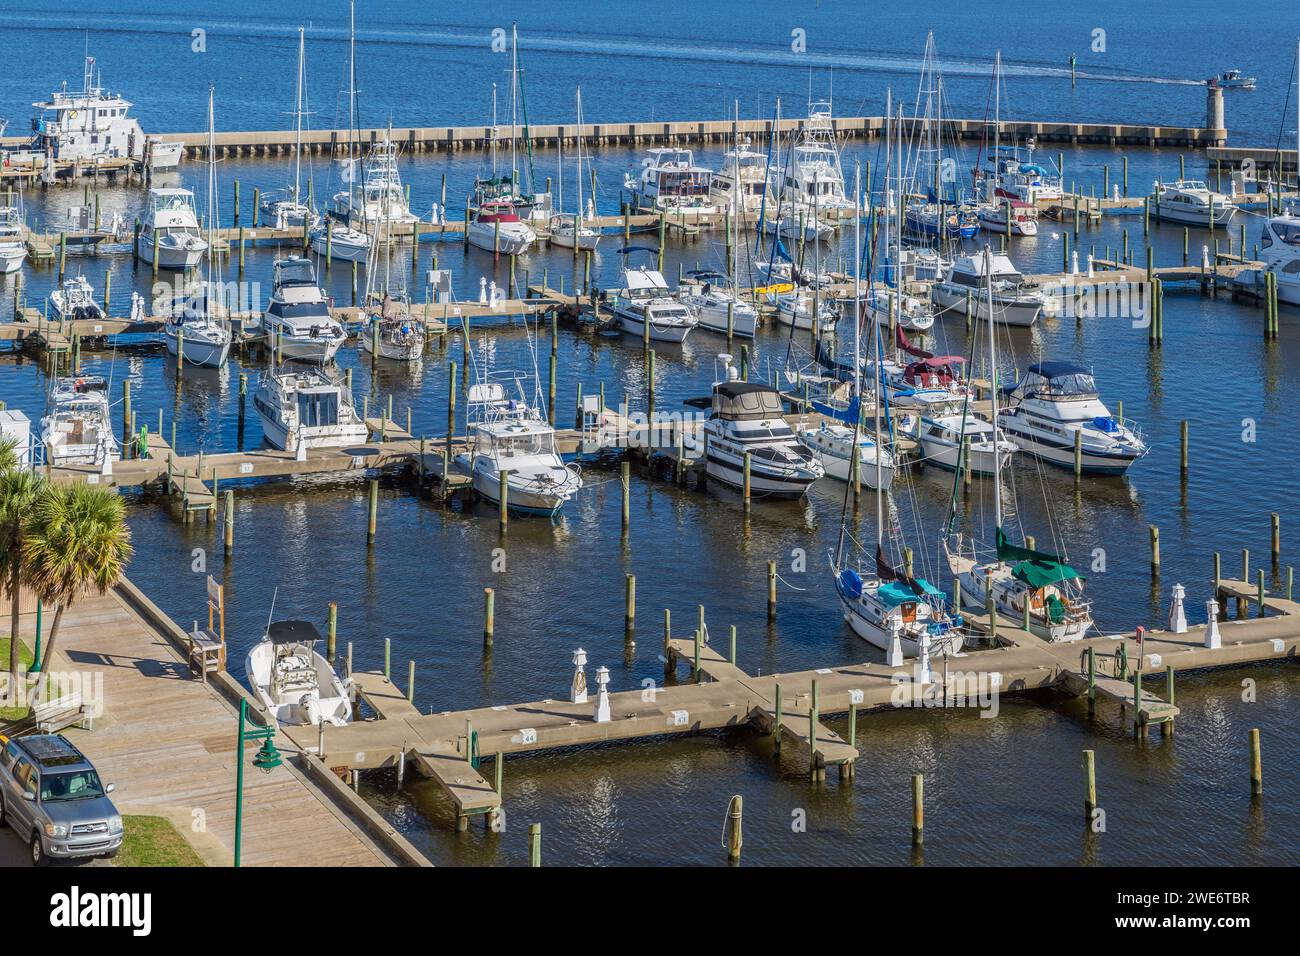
point(54, 715)
point(207, 652)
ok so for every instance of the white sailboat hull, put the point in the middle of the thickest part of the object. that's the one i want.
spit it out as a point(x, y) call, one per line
point(1014, 312)
point(199, 352)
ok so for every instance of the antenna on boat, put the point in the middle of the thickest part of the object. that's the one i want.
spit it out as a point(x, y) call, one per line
point(271, 616)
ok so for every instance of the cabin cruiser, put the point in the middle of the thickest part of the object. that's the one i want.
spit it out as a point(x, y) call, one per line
point(797, 309)
point(293, 680)
point(932, 384)
point(1054, 402)
point(813, 178)
point(910, 312)
point(1023, 217)
point(712, 297)
point(379, 197)
point(1016, 176)
point(670, 182)
point(391, 331)
point(307, 408)
point(1233, 80)
point(196, 330)
point(88, 126)
point(965, 282)
point(298, 316)
point(833, 444)
point(13, 248)
point(338, 241)
point(749, 417)
point(511, 438)
point(497, 228)
point(746, 167)
point(78, 428)
point(1279, 249)
point(1192, 203)
point(645, 299)
point(942, 438)
point(171, 230)
point(1019, 575)
point(75, 300)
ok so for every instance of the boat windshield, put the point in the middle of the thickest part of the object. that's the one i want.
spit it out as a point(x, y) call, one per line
point(318, 408)
point(1078, 385)
point(295, 272)
point(524, 445)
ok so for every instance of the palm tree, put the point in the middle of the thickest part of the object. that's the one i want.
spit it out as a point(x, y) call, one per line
point(9, 454)
point(19, 492)
point(76, 542)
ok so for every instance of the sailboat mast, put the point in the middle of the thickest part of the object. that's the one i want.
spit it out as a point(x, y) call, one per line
point(297, 137)
point(212, 194)
point(734, 239)
point(889, 155)
point(577, 219)
point(997, 121)
point(993, 379)
point(352, 101)
point(494, 131)
point(514, 103)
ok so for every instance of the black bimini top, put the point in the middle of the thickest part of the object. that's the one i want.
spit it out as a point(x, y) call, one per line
point(292, 632)
point(736, 389)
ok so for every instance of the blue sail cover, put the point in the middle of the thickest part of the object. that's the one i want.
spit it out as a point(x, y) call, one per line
point(848, 416)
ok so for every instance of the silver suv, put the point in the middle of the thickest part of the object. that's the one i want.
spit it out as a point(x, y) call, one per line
point(51, 795)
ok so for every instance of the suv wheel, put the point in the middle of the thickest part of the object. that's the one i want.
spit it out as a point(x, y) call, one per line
point(38, 852)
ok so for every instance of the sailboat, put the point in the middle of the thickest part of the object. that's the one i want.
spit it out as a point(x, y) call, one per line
point(196, 333)
point(391, 331)
point(497, 226)
point(884, 604)
point(936, 214)
point(1017, 577)
point(1002, 210)
point(835, 444)
point(336, 237)
point(568, 229)
point(892, 305)
point(288, 211)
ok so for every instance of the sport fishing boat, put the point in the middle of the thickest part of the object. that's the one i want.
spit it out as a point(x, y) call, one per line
point(379, 196)
point(671, 182)
point(813, 177)
point(298, 316)
point(196, 332)
point(1038, 589)
point(497, 228)
point(717, 306)
point(1279, 249)
point(75, 300)
point(646, 300)
point(1056, 401)
point(13, 247)
point(510, 437)
point(170, 230)
point(288, 211)
point(1192, 203)
point(749, 417)
point(78, 428)
point(1013, 303)
point(1233, 80)
point(308, 408)
point(942, 440)
point(86, 127)
point(293, 680)
point(741, 180)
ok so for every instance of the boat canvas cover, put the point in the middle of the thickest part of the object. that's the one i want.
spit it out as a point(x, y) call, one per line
point(292, 632)
point(896, 582)
point(908, 347)
point(1035, 568)
point(746, 401)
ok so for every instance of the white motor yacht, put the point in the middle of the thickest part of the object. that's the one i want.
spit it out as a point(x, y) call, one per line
point(75, 300)
point(78, 428)
point(170, 231)
point(13, 247)
point(512, 438)
point(1279, 249)
point(1192, 203)
point(712, 297)
point(335, 240)
point(293, 680)
point(1056, 401)
point(797, 309)
point(645, 300)
point(749, 417)
point(298, 316)
point(497, 228)
point(380, 196)
point(747, 167)
point(833, 445)
point(671, 182)
point(308, 408)
point(1013, 302)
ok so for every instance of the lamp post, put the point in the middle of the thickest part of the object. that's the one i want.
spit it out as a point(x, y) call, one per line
point(36, 651)
point(266, 759)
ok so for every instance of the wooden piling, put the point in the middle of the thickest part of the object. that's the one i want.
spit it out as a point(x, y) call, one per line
point(735, 814)
point(373, 522)
point(918, 809)
point(1155, 551)
point(228, 528)
point(489, 616)
point(331, 632)
point(1090, 784)
point(534, 844)
point(771, 590)
point(1256, 765)
point(629, 607)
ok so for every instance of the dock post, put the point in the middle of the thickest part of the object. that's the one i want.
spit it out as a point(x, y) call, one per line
point(1182, 447)
point(1276, 527)
point(126, 418)
point(1139, 729)
point(1217, 575)
point(816, 768)
point(388, 658)
point(489, 616)
point(1260, 574)
point(534, 844)
point(1256, 765)
point(629, 608)
point(695, 664)
point(626, 483)
point(1092, 680)
point(1167, 728)
point(747, 466)
point(331, 633)
point(650, 383)
point(374, 511)
point(410, 682)
point(771, 590)
point(503, 502)
point(1245, 576)
point(668, 646)
point(1155, 551)
point(229, 527)
point(733, 645)
point(991, 608)
point(918, 809)
point(493, 820)
point(1090, 784)
point(735, 813)
point(1078, 454)
point(776, 721)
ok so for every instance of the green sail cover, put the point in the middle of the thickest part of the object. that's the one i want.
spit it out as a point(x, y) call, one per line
point(1014, 552)
point(1039, 574)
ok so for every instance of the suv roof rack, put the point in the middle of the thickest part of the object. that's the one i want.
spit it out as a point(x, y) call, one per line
point(51, 750)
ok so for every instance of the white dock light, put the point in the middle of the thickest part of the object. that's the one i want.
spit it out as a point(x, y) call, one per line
point(1212, 639)
point(482, 290)
point(578, 691)
point(602, 695)
point(1177, 618)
